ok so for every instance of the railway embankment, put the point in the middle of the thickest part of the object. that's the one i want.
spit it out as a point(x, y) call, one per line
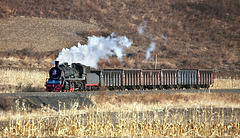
point(39, 100)
point(78, 100)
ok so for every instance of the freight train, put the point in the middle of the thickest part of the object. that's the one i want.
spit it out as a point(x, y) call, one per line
point(78, 77)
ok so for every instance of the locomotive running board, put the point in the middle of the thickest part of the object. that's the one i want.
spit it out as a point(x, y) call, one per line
point(74, 79)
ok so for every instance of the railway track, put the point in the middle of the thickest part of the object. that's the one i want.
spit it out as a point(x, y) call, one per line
point(91, 93)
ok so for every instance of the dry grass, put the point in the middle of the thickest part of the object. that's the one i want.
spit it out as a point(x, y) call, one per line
point(41, 34)
point(172, 100)
point(134, 119)
point(12, 80)
point(226, 84)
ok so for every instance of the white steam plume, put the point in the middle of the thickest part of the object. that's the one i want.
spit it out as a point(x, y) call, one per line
point(150, 49)
point(96, 49)
point(141, 30)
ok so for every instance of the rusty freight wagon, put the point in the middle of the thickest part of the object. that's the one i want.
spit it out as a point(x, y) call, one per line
point(169, 78)
point(132, 79)
point(111, 78)
point(205, 78)
point(151, 79)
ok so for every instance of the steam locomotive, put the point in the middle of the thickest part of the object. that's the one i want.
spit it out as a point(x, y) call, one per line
point(78, 77)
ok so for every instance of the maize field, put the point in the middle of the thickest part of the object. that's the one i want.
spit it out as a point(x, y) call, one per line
point(95, 121)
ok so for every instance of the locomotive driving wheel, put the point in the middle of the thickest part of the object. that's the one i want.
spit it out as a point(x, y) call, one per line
point(66, 86)
point(71, 87)
point(80, 86)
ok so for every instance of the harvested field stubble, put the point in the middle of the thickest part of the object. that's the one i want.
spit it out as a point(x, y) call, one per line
point(155, 121)
point(173, 115)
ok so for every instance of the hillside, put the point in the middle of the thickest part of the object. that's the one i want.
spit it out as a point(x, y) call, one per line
point(188, 34)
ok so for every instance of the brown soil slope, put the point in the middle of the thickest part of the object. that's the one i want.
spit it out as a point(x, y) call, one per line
point(188, 34)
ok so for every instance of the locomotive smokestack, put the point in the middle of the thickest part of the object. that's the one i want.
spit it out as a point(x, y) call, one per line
point(56, 63)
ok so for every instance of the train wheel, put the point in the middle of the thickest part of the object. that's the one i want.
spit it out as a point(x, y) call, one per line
point(72, 87)
point(66, 88)
point(208, 86)
point(190, 87)
point(80, 86)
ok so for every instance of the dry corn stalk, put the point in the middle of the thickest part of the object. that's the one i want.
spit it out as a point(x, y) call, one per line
point(195, 122)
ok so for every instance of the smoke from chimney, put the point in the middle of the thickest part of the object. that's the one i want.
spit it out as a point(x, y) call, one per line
point(150, 49)
point(97, 48)
point(152, 46)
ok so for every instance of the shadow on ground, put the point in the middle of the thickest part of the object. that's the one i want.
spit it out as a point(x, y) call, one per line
point(36, 102)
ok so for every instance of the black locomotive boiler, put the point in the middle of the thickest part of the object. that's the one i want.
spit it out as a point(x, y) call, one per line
point(78, 77)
